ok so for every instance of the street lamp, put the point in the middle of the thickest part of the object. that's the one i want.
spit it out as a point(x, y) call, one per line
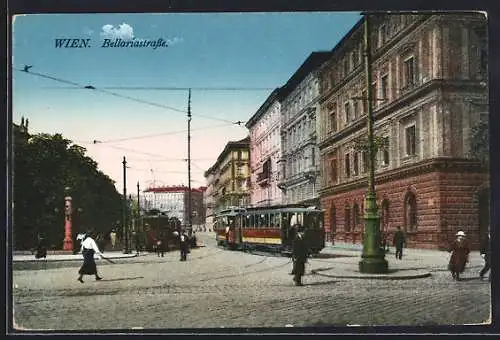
point(373, 258)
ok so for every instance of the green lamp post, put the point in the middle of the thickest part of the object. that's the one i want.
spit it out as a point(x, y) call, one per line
point(373, 257)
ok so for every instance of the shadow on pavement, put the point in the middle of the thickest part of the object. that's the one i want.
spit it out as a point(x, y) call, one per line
point(331, 256)
point(122, 279)
point(320, 283)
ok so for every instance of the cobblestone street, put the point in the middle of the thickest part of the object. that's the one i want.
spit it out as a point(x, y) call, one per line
point(218, 288)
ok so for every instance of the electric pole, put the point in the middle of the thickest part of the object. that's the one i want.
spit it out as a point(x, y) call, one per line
point(138, 210)
point(189, 214)
point(124, 216)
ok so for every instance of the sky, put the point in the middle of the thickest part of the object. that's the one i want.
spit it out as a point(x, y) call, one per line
point(232, 62)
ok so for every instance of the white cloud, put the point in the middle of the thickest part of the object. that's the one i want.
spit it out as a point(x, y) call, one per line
point(123, 31)
point(174, 41)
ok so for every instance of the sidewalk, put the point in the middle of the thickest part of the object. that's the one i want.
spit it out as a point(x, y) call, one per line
point(416, 263)
point(71, 257)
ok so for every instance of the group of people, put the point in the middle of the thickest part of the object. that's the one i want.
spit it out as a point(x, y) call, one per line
point(459, 250)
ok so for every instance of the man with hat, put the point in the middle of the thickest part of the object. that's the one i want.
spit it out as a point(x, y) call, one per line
point(459, 255)
point(299, 255)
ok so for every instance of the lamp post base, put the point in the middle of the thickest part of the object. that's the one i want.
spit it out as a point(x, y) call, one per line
point(68, 244)
point(374, 265)
point(373, 257)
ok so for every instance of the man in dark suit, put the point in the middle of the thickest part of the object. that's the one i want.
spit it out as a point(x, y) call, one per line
point(486, 255)
point(299, 254)
point(398, 242)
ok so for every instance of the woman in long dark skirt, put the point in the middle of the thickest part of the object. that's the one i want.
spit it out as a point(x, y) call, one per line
point(89, 248)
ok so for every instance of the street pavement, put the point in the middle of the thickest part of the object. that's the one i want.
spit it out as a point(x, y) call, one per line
point(217, 288)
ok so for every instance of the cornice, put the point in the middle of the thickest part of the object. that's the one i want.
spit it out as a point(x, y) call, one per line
point(459, 165)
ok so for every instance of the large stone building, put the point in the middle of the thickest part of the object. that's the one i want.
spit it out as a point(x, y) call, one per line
point(265, 152)
point(299, 173)
point(229, 177)
point(173, 201)
point(430, 91)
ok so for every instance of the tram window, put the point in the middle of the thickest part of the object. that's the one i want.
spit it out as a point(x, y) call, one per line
point(275, 220)
point(251, 220)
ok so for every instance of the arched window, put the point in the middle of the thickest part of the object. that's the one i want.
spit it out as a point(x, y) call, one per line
point(355, 216)
point(347, 218)
point(410, 211)
point(384, 217)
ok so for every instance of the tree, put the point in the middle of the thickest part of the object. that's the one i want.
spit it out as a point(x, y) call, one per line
point(46, 169)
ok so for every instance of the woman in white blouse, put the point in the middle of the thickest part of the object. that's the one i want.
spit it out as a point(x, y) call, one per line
point(89, 248)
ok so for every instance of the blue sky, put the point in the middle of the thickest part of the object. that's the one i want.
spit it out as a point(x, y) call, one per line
point(256, 50)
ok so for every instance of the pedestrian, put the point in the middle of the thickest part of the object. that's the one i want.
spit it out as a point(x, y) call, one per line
point(227, 236)
point(399, 242)
point(41, 248)
point(459, 255)
point(299, 254)
point(88, 249)
point(113, 239)
point(193, 240)
point(486, 255)
point(183, 245)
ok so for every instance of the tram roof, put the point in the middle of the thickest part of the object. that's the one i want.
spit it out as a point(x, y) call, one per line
point(267, 210)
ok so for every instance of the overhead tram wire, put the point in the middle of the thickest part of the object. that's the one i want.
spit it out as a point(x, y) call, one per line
point(93, 88)
point(173, 88)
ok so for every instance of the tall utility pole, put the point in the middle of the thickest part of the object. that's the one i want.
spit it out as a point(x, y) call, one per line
point(138, 210)
point(125, 203)
point(373, 257)
point(189, 213)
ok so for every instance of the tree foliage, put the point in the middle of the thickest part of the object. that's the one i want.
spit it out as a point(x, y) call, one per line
point(46, 168)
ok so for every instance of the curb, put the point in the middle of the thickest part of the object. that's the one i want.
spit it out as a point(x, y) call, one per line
point(68, 260)
point(409, 276)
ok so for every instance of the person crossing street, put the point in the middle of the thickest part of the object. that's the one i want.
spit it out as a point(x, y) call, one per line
point(299, 254)
point(486, 255)
point(88, 249)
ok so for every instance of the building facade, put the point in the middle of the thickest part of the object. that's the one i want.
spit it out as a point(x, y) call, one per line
point(299, 170)
point(230, 176)
point(173, 201)
point(265, 152)
point(429, 93)
point(208, 200)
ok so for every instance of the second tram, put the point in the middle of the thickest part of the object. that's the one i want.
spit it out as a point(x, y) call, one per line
point(269, 228)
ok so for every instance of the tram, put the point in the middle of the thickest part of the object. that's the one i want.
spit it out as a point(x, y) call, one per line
point(160, 227)
point(269, 228)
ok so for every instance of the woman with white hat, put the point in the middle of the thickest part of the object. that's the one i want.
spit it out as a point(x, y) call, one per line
point(459, 255)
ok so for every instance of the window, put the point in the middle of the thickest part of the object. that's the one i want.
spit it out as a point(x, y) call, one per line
point(347, 165)
point(384, 87)
point(355, 167)
point(355, 216)
point(384, 218)
point(365, 160)
point(313, 156)
point(410, 211)
point(346, 66)
point(347, 112)
point(354, 58)
point(410, 140)
point(409, 71)
point(333, 120)
point(385, 153)
point(355, 109)
point(381, 35)
point(333, 170)
point(347, 218)
point(374, 93)
point(333, 222)
point(364, 97)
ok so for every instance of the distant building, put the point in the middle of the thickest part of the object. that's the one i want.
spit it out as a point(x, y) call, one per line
point(265, 152)
point(299, 173)
point(228, 179)
point(429, 89)
point(173, 202)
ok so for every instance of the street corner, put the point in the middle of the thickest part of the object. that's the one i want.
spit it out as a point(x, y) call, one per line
point(393, 274)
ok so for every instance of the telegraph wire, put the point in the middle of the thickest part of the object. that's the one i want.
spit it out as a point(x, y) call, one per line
point(173, 88)
point(164, 133)
point(27, 70)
